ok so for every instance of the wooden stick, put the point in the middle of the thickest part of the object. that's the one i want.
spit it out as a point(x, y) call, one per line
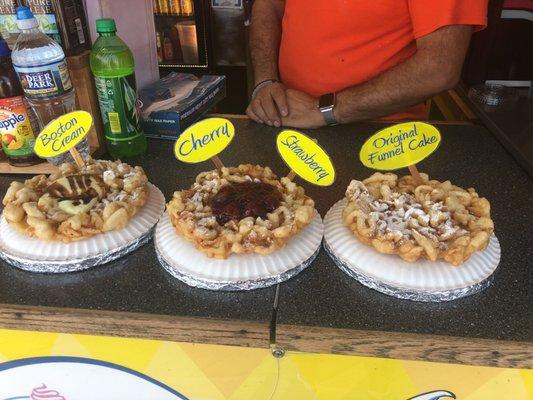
point(77, 157)
point(415, 174)
point(217, 162)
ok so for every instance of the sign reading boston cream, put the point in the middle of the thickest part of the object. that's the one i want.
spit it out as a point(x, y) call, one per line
point(399, 146)
point(305, 157)
point(62, 134)
point(203, 140)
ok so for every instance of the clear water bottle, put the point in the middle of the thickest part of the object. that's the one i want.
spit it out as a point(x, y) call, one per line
point(42, 70)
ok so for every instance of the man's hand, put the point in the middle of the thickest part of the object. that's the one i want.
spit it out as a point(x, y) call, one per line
point(303, 110)
point(269, 105)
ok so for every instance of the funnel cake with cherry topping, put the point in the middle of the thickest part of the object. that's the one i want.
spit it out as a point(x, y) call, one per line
point(434, 220)
point(244, 209)
point(74, 204)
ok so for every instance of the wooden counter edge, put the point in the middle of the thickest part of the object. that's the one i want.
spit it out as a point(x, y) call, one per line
point(135, 325)
point(373, 121)
point(406, 346)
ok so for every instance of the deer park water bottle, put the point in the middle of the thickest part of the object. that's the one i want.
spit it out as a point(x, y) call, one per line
point(42, 69)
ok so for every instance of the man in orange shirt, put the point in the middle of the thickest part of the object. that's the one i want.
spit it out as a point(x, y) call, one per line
point(322, 62)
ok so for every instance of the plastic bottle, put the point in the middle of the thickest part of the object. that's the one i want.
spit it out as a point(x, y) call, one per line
point(16, 132)
point(114, 73)
point(43, 72)
point(187, 8)
point(159, 44)
point(175, 7)
point(168, 46)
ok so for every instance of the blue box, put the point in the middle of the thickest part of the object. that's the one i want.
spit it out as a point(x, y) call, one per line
point(170, 123)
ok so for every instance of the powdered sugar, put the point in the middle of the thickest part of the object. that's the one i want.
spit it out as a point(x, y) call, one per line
point(109, 175)
point(198, 199)
point(206, 222)
point(398, 216)
point(120, 196)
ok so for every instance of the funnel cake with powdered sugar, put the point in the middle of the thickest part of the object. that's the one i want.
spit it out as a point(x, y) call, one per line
point(433, 220)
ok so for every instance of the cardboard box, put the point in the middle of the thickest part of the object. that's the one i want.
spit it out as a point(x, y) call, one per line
point(169, 124)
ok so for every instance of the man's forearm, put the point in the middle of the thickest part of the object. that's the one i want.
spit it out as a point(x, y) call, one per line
point(435, 67)
point(265, 35)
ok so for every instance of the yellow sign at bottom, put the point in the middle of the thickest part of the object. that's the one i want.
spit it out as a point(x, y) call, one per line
point(305, 157)
point(39, 365)
point(62, 134)
point(399, 146)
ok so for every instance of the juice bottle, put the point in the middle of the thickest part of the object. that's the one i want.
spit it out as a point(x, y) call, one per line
point(159, 44)
point(168, 46)
point(114, 73)
point(164, 6)
point(175, 7)
point(186, 8)
point(16, 133)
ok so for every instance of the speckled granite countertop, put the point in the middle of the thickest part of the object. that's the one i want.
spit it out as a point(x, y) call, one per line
point(322, 295)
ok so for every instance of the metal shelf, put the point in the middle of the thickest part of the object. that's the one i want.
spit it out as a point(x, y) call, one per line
point(174, 15)
point(170, 65)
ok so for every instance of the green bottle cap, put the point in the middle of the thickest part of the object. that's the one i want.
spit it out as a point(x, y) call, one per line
point(105, 25)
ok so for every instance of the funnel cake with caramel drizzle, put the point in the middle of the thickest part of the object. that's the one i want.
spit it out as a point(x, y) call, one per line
point(74, 204)
point(244, 209)
point(434, 220)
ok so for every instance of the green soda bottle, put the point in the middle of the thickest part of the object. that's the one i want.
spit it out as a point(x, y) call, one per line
point(114, 73)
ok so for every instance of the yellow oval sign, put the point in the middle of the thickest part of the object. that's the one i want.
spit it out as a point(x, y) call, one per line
point(62, 134)
point(305, 157)
point(204, 139)
point(399, 146)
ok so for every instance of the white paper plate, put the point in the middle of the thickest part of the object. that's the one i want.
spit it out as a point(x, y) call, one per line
point(37, 255)
point(239, 271)
point(422, 280)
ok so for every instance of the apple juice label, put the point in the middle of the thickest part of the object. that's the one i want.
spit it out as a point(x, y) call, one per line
point(44, 80)
point(118, 104)
point(15, 128)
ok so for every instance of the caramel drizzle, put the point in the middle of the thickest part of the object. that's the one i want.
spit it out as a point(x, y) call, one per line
point(76, 187)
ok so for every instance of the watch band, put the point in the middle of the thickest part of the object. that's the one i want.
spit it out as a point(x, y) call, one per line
point(329, 116)
point(326, 105)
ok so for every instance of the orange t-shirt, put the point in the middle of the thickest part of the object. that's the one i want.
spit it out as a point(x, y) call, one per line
point(329, 45)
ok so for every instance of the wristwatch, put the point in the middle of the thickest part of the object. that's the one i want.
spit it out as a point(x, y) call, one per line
point(326, 104)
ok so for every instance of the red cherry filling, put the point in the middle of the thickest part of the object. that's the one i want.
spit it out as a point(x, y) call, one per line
point(247, 199)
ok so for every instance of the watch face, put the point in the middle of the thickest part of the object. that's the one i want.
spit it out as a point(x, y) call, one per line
point(327, 100)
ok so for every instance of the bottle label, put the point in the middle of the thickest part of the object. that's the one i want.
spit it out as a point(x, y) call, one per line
point(8, 24)
point(15, 128)
point(43, 11)
point(44, 80)
point(79, 30)
point(118, 104)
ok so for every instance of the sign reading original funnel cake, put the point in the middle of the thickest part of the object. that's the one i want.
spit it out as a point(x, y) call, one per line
point(238, 226)
point(429, 224)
